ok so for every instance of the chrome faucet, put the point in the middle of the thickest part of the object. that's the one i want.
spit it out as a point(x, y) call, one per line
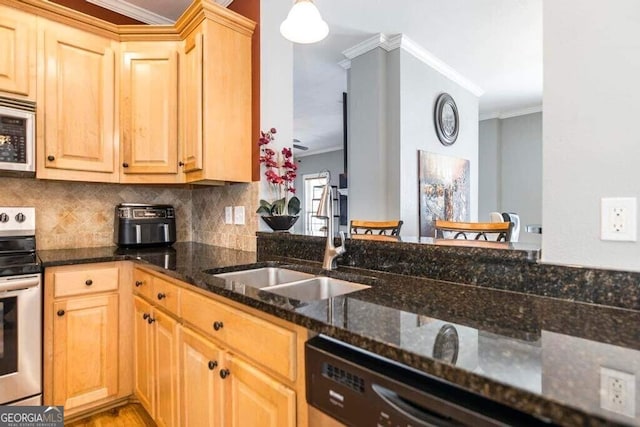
point(325, 210)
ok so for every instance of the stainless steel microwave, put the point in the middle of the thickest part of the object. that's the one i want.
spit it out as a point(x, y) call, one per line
point(17, 135)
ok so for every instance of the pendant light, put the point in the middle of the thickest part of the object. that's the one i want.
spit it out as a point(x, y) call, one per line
point(304, 23)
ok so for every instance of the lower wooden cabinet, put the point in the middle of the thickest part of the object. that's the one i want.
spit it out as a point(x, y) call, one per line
point(143, 355)
point(85, 348)
point(87, 336)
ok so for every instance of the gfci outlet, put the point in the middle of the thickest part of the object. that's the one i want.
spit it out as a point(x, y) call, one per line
point(618, 392)
point(618, 219)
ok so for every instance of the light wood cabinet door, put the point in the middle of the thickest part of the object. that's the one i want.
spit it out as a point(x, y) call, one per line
point(255, 399)
point(216, 85)
point(200, 382)
point(85, 350)
point(149, 112)
point(192, 93)
point(166, 363)
point(17, 53)
point(143, 354)
point(76, 110)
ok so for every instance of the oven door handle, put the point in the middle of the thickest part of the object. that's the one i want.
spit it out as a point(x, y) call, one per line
point(18, 283)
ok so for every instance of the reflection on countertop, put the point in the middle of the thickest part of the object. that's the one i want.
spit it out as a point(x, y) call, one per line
point(537, 354)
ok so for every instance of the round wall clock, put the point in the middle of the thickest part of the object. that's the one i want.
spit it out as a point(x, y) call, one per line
point(446, 119)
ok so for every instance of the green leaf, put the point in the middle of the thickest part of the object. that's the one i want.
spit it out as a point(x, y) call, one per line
point(278, 207)
point(294, 206)
point(265, 207)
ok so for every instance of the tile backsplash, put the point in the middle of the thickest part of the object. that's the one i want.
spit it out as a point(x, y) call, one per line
point(77, 215)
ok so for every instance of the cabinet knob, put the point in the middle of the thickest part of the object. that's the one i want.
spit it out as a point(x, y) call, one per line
point(180, 163)
point(125, 165)
point(146, 316)
point(217, 325)
point(60, 313)
point(150, 320)
point(224, 373)
point(88, 282)
point(161, 295)
point(139, 283)
point(213, 364)
point(51, 158)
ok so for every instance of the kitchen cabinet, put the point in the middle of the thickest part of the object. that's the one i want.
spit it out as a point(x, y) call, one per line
point(76, 138)
point(216, 88)
point(18, 48)
point(86, 341)
point(249, 370)
point(143, 353)
point(149, 112)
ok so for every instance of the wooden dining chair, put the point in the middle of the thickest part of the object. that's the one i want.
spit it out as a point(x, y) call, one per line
point(473, 230)
point(390, 228)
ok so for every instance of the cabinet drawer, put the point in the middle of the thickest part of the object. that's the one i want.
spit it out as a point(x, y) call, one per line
point(166, 295)
point(263, 342)
point(142, 283)
point(80, 281)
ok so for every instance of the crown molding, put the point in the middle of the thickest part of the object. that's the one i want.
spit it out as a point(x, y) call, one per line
point(143, 15)
point(319, 151)
point(511, 113)
point(132, 11)
point(401, 41)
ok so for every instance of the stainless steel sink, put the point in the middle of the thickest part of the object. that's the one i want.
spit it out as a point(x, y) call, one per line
point(316, 289)
point(262, 277)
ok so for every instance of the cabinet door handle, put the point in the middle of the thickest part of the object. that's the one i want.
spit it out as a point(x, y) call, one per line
point(60, 313)
point(88, 282)
point(51, 158)
point(213, 364)
point(125, 165)
point(139, 283)
point(180, 163)
point(217, 325)
point(150, 320)
point(224, 373)
point(161, 295)
point(145, 316)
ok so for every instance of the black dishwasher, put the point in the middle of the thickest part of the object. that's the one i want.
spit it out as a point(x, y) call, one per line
point(359, 388)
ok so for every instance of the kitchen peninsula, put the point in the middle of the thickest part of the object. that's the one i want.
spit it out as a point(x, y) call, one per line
point(537, 354)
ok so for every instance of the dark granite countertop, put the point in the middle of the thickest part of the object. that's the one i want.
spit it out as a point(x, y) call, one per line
point(538, 354)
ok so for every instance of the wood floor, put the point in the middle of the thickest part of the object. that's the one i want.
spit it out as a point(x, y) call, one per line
point(131, 415)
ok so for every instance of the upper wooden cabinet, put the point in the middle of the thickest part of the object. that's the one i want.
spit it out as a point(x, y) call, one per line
point(216, 89)
point(17, 53)
point(149, 112)
point(76, 108)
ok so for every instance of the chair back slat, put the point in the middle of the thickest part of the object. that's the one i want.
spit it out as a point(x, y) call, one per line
point(391, 228)
point(480, 230)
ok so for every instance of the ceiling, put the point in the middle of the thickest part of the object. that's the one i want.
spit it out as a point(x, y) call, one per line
point(496, 44)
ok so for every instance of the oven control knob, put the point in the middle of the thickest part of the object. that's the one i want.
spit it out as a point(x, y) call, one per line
point(20, 217)
point(4, 217)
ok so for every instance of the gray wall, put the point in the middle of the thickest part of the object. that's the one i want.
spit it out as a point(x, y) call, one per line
point(511, 169)
point(391, 100)
point(420, 86)
point(591, 144)
point(332, 161)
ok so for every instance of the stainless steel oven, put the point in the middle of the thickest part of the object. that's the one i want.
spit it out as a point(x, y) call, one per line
point(17, 136)
point(20, 309)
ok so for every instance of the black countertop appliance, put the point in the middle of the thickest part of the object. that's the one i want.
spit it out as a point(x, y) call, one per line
point(144, 225)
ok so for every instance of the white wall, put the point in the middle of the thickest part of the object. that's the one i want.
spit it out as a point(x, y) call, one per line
point(591, 143)
point(276, 82)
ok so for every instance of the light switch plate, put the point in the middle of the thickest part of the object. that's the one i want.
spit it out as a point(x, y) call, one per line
point(239, 215)
point(618, 219)
point(228, 215)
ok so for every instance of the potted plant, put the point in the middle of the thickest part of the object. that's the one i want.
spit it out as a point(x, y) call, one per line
point(281, 213)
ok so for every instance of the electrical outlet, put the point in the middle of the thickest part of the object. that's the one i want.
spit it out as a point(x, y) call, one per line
point(618, 219)
point(239, 215)
point(618, 392)
point(228, 215)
